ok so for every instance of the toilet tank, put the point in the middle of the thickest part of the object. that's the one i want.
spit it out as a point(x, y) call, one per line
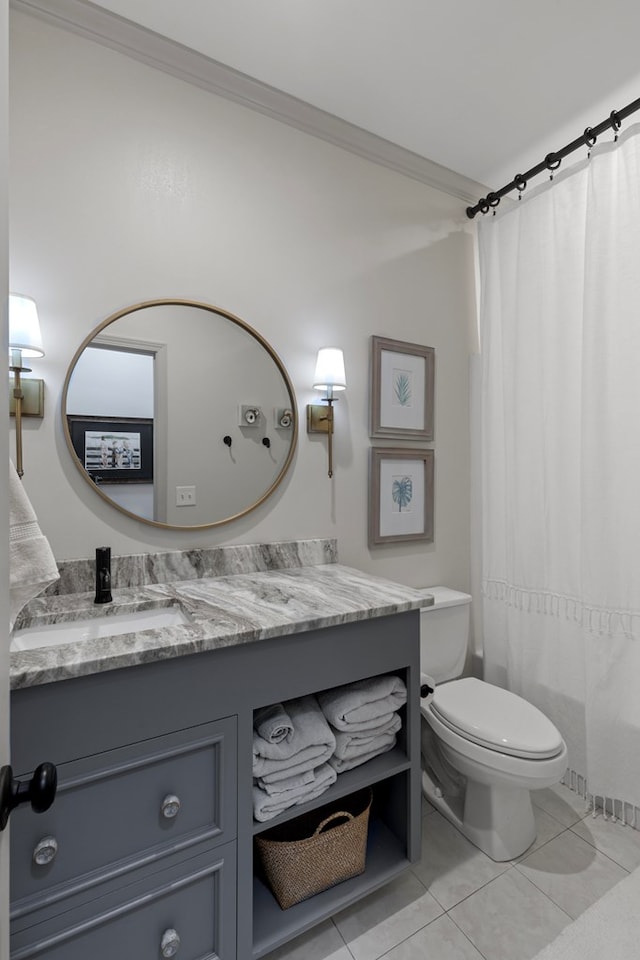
point(444, 633)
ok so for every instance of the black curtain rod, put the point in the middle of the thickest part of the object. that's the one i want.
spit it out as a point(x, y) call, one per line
point(552, 160)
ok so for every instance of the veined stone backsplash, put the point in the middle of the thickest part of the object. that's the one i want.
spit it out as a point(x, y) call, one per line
point(138, 570)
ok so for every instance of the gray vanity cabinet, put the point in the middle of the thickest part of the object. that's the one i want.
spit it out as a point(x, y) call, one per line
point(148, 849)
point(186, 909)
point(138, 851)
point(118, 808)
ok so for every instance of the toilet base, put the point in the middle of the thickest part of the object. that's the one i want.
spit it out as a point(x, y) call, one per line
point(497, 819)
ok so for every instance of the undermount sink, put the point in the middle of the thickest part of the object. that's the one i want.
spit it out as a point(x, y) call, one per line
point(92, 628)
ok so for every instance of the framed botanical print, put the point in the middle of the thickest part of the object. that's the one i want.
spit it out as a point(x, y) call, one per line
point(400, 495)
point(402, 389)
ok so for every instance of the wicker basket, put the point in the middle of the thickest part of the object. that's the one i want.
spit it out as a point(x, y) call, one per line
point(299, 861)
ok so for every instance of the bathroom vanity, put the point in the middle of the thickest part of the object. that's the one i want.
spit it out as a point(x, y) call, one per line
point(148, 850)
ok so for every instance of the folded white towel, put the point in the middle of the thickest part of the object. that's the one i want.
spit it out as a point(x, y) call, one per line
point(32, 565)
point(364, 704)
point(286, 783)
point(341, 765)
point(349, 745)
point(311, 743)
point(265, 807)
point(279, 770)
point(273, 723)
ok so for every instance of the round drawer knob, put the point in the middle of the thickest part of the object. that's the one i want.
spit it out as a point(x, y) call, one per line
point(170, 943)
point(170, 809)
point(45, 851)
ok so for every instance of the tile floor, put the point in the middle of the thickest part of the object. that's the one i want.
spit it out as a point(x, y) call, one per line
point(457, 904)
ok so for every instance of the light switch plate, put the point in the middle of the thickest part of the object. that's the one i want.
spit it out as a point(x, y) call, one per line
point(185, 496)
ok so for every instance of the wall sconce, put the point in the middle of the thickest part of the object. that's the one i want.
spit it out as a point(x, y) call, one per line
point(25, 340)
point(330, 377)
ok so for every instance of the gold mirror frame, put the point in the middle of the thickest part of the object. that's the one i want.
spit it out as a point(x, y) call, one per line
point(233, 319)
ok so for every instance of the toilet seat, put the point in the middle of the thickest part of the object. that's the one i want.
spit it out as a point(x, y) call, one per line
point(496, 719)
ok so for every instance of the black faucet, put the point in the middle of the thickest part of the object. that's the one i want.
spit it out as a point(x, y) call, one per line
point(103, 575)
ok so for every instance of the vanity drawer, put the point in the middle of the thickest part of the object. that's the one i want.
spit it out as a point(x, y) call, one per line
point(123, 808)
point(186, 910)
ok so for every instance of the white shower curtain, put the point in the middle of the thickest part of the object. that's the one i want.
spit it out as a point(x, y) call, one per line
point(560, 471)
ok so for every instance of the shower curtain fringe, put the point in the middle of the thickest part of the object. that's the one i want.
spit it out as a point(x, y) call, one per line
point(611, 809)
point(596, 620)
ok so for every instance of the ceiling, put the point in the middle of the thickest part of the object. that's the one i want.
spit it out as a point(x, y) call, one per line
point(483, 87)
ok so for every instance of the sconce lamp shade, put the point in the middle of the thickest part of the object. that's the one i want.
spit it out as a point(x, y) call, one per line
point(24, 328)
point(330, 370)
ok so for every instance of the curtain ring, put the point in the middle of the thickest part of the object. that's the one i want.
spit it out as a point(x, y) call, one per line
point(483, 206)
point(616, 123)
point(520, 184)
point(492, 199)
point(552, 162)
point(589, 138)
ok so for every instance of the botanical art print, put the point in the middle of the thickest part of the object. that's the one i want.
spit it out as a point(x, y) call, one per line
point(402, 392)
point(402, 492)
point(402, 389)
point(400, 495)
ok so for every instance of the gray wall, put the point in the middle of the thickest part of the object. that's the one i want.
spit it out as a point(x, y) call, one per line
point(128, 185)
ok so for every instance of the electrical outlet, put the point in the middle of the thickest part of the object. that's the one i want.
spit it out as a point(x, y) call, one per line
point(185, 496)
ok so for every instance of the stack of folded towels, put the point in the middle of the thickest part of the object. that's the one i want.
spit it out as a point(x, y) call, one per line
point(363, 716)
point(292, 743)
point(300, 746)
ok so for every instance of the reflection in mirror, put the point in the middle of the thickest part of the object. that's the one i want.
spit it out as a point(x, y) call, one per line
point(179, 414)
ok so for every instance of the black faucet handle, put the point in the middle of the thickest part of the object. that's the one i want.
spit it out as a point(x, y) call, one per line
point(103, 575)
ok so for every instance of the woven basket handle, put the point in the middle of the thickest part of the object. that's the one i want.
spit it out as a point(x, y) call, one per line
point(334, 816)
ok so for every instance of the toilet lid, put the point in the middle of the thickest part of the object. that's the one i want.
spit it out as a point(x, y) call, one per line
point(496, 718)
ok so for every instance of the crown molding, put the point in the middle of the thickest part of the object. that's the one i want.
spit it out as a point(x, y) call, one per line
point(95, 23)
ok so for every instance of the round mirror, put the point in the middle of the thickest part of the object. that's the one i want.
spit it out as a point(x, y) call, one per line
point(179, 414)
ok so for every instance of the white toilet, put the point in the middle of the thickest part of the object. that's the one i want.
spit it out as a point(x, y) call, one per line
point(483, 747)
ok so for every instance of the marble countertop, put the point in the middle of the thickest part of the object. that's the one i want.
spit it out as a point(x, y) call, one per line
point(222, 611)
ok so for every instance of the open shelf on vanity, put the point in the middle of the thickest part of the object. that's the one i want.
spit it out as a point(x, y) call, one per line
point(389, 777)
point(373, 771)
point(394, 824)
point(386, 858)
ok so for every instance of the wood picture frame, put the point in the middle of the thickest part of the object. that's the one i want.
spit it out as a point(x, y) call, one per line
point(401, 502)
point(402, 390)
